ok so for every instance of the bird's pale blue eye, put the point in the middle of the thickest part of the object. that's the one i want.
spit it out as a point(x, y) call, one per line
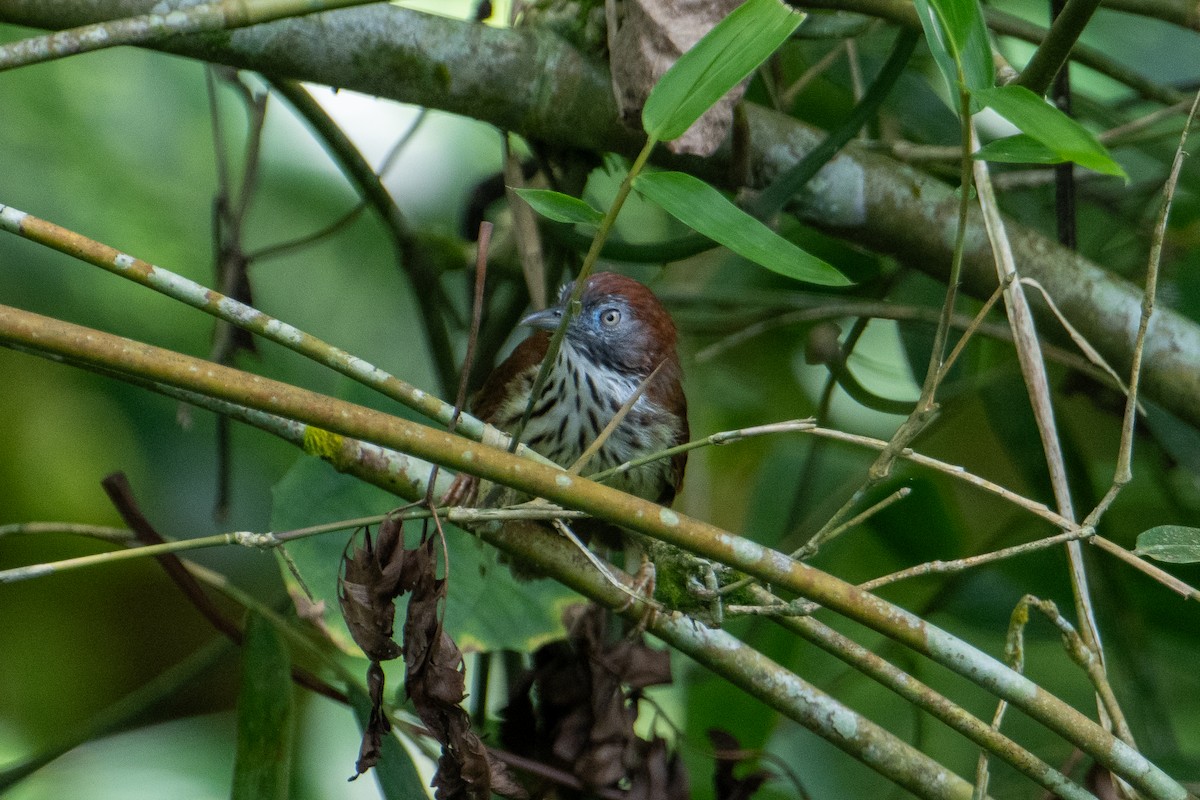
point(610, 316)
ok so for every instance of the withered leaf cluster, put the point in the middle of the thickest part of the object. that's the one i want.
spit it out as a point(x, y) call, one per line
point(727, 785)
point(587, 689)
point(373, 576)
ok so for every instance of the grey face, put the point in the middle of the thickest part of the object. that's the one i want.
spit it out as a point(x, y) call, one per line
point(606, 330)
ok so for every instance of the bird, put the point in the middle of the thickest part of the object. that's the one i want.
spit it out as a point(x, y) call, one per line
point(621, 338)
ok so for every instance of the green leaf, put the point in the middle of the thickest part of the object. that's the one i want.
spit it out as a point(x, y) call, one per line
point(701, 207)
point(486, 608)
point(266, 716)
point(1062, 135)
point(958, 39)
point(560, 207)
point(719, 61)
point(1018, 149)
point(396, 774)
point(1177, 544)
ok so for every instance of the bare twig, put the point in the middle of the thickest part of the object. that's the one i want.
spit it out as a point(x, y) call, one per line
point(119, 491)
point(811, 548)
point(36, 333)
point(460, 400)
point(1123, 472)
point(102, 533)
point(525, 228)
point(1162, 576)
point(1033, 369)
point(960, 564)
point(245, 317)
point(622, 412)
point(725, 437)
point(1038, 509)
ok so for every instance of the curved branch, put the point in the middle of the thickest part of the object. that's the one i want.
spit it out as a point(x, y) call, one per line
point(334, 419)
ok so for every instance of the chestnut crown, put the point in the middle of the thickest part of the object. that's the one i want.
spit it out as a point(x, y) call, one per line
point(621, 324)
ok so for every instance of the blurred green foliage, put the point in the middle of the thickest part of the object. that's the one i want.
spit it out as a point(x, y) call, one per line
point(117, 145)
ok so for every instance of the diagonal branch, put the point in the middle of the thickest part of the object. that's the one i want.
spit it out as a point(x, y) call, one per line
point(34, 333)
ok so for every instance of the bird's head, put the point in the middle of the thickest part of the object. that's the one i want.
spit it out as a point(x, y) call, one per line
point(621, 324)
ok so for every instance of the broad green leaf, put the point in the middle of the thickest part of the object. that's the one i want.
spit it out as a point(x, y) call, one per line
point(1018, 149)
point(957, 37)
point(1062, 135)
point(266, 716)
point(719, 61)
point(1177, 544)
point(701, 207)
point(560, 207)
point(395, 773)
point(486, 608)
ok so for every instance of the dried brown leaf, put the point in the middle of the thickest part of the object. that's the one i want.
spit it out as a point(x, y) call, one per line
point(587, 690)
point(378, 725)
point(371, 578)
point(434, 680)
point(728, 752)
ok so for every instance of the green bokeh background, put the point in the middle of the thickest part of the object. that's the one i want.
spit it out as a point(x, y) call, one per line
point(117, 145)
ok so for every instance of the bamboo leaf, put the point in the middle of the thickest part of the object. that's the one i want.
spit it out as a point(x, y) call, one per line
point(560, 207)
point(266, 716)
point(1063, 136)
point(396, 774)
point(719, 61)
point(701, 207)
point(957, 37)
point(1019, 149)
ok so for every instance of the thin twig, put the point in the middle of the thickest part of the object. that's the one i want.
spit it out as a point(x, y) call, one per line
point(1034, 372)
point(283, 248)
point(1162, 576)
point(889, 311)
point(525, 228)
point(1123, 472)
point(602, 568)
point(245, 317)
point(460, 400)
point(1129, 130)
point(410, 258)
point(622, 412)
point(1032, 506)
point(1087, 659)
point(265, 541)
point(811, 548)
point(977, 324)
point(102, 533)
point(788, 96)
point(1078, 338)
point(725, 437)
point(961, 564)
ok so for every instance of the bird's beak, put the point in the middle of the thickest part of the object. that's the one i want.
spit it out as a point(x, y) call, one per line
point(547, 319)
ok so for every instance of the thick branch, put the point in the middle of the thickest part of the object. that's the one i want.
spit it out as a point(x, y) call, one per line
point(537, 85)
point(27, 331)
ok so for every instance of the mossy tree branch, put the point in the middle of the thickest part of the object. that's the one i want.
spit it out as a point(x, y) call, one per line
point(538, 86)
point(31, 332)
